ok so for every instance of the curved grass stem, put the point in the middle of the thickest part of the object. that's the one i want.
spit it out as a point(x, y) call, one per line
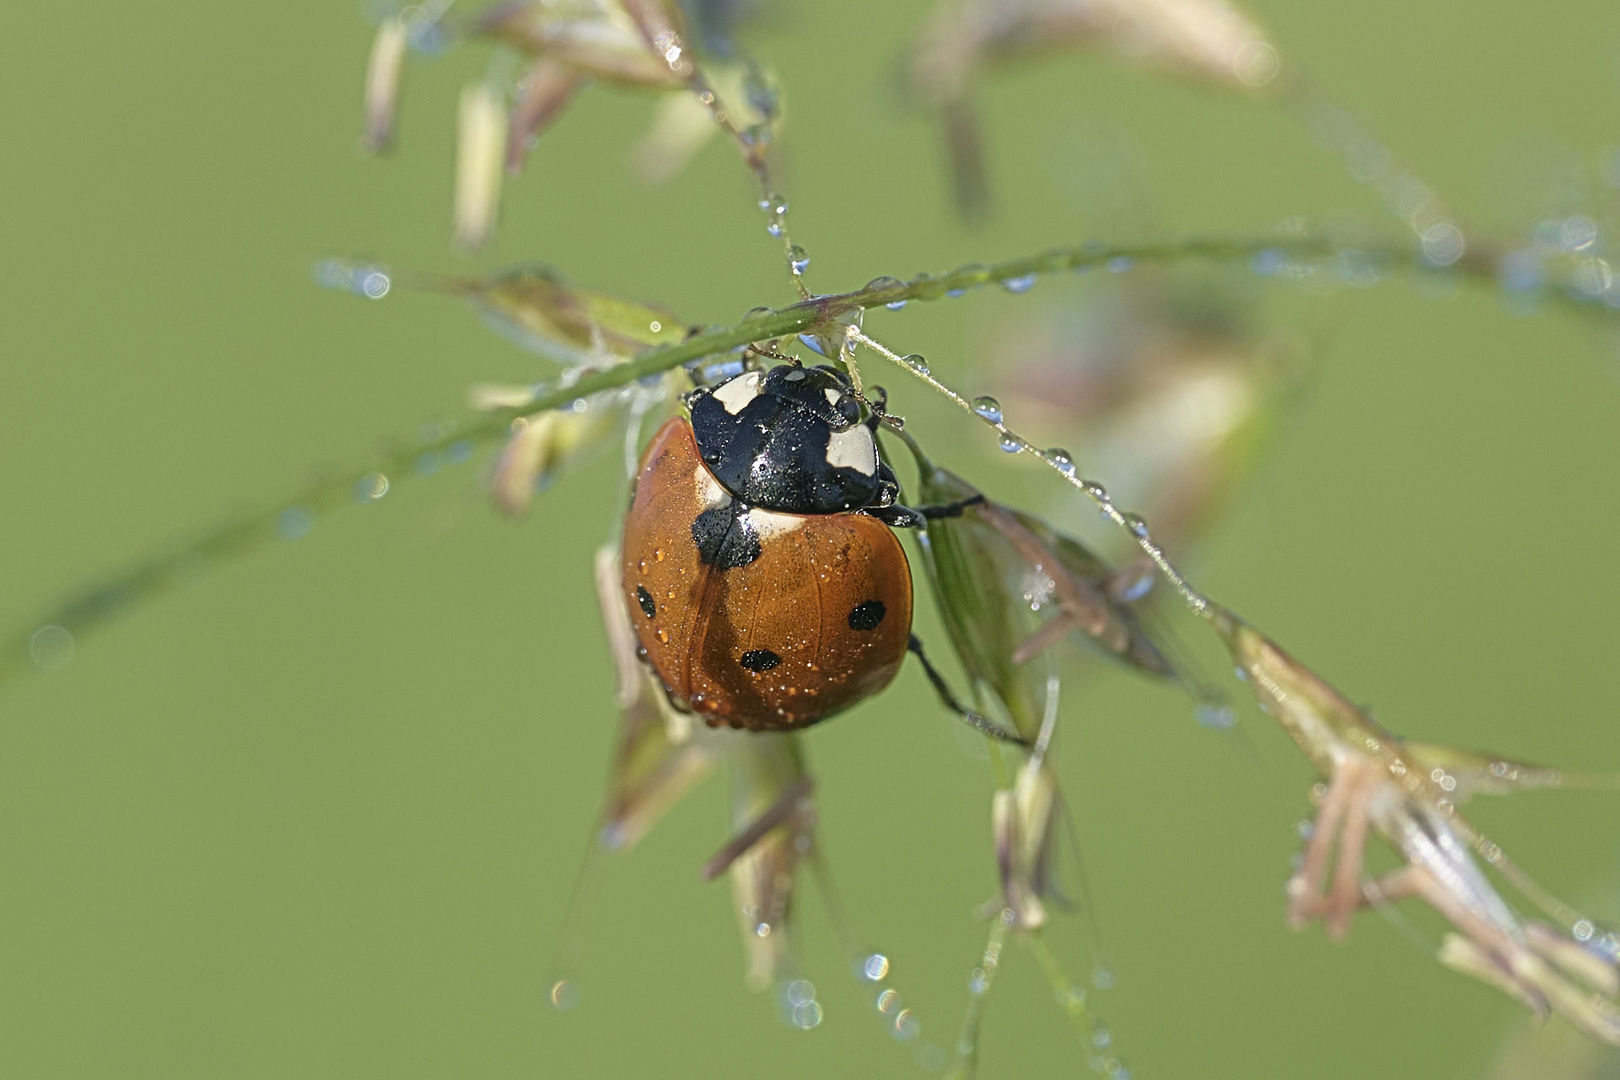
point(965, 1062)
point(1070, 997)
point(147, 579)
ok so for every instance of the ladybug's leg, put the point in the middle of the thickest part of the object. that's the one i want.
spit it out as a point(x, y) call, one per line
point(896, 516)
point(949, 510)
point(976, 720)
point(877, 411)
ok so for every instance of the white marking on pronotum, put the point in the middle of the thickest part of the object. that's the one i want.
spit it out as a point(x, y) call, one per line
point(767, 524)
point(833, 396)
point(709, 492)
point(738, 392)
point(852, 449)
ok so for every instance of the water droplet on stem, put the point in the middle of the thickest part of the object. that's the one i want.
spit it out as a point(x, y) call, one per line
point(51, 647)
point(563, 995)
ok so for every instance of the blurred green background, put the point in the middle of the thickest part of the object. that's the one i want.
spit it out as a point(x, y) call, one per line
point(319, 815)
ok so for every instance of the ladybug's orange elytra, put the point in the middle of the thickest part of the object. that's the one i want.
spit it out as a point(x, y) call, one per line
point(756, 618)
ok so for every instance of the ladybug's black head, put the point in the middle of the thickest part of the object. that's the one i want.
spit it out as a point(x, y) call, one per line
point(790, 439)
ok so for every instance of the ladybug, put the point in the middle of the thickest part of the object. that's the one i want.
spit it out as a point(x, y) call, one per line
point(767, 588)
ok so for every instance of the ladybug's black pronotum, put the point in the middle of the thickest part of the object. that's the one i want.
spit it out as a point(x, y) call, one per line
point(760, 570)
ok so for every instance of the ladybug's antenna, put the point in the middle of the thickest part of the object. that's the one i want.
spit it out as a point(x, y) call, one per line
point(765, 351)
point(978, 721)
point(878, 403)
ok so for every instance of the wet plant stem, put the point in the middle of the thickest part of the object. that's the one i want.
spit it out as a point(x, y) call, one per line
point(95, 606)
point(965, 1063)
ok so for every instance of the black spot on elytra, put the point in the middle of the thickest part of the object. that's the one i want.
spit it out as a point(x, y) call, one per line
point(724, 536)
point(644, 598)
point(759, 660)
point(866, 616)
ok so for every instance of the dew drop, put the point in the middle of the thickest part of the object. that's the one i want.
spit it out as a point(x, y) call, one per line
point(1130, 590)
point(371, 282)
point(978, 982)
point(1062, 459)
point(798, 259)
point(374, 284)
point(875, 968)
point(1010, 444)
point(1119, 264)
point(886, 282)
point(1443, 243)
point(806, 1016)
point(371, 487)
point(757, 313)
point(774, 204)
point(1102, 1038)
point(1021, 284)
point(1138, 527)
point(1578, 233)
point(799, 992)
point(331, 274)
point(294, 523)
point(1520, 272)
point(1095, 490)
point(51, 647)
point(663, 639)
point(1215, 717)
point(658, 554)
point(916, 363)
point(563, 995)
point(1269, 262)
point(987, 408)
